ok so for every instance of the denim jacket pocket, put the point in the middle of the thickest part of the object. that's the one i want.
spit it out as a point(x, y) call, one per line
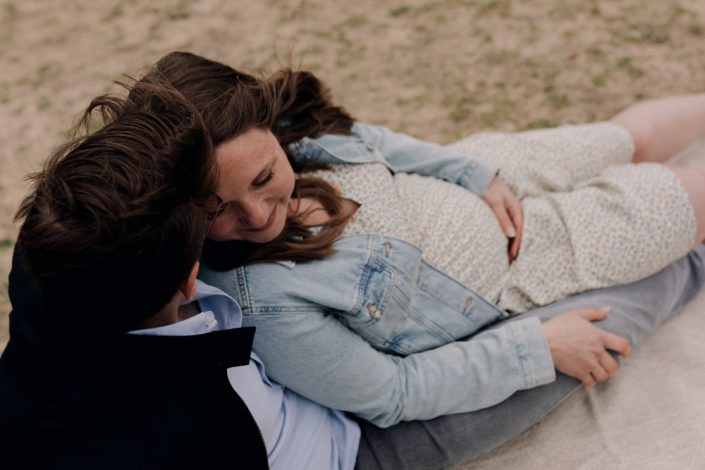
point(406, 306)
point(380, 314)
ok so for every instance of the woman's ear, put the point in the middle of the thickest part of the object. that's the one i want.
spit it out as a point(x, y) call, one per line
point(188, 285)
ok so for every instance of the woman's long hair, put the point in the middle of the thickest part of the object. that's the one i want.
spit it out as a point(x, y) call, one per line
point(293, 105)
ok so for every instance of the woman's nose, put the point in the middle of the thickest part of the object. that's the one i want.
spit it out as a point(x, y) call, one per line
point(254, 214)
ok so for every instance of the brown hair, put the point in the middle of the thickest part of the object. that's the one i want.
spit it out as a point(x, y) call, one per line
point(293, 105)
point(116, 219)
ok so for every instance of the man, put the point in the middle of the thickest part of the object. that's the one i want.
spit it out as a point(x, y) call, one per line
point(111, 238)
point(118, 356)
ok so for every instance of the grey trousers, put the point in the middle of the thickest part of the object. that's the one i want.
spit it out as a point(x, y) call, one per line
point(637, 310)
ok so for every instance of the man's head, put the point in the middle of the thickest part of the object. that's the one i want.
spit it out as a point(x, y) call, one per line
point(117, 220)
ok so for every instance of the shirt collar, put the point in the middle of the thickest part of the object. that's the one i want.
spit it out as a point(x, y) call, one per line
point(219, 311)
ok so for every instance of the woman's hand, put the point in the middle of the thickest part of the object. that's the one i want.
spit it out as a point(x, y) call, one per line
point(507, 208)
point(580, 349)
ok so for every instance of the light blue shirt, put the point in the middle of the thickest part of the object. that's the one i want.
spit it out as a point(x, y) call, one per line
point(298, 433)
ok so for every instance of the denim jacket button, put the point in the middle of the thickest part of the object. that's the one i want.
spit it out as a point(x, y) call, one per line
point(370, 148)
point(374, 310)
point(387, 247)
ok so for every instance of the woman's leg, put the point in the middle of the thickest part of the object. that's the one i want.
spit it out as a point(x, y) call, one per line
point(663, 127)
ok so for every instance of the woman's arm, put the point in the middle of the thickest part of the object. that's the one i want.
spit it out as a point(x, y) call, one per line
point(406, 154)
point(317, 356)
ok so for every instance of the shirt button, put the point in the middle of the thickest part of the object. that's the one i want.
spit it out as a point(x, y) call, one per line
point(369, 148)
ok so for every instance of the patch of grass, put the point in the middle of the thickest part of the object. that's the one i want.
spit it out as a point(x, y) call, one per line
point(493, 6)
point(10, 9)
point(599, 80)
point(483, 35)
point(43, 103)
point(430, 6)
point(554, 97)
point(543, 123)
point(596, 53)
point(115, 12)
point(564, 11)
point(313, 50)
point(343, 39)
point(319, 33)
point(489, 6)
point(180, 11)
point(42, 73)
point(680, 10)
point(627, 64)
point(399, 11)
point(460, 113)
point(500, 56)
point(354, 21)
point(463, 104)
point(624, 62)
point(558, 100)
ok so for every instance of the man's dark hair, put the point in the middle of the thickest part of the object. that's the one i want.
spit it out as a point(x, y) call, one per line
point(117, 217)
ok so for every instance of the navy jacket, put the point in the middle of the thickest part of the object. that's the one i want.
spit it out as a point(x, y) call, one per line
point(72, 399)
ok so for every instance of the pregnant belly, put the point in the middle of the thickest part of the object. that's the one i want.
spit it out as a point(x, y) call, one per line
point(458, 233)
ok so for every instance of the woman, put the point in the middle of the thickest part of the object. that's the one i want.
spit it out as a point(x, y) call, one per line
point(364, 271)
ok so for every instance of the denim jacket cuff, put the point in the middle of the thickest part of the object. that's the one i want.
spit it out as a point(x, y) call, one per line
point(477, 176)
point(532, 353)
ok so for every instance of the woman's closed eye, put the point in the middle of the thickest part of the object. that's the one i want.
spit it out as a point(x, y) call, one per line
point(264, 180)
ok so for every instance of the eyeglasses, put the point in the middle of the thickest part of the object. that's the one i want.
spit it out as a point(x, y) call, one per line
point(213, 215)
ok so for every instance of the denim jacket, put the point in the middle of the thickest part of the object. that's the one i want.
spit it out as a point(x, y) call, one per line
point(374, 329)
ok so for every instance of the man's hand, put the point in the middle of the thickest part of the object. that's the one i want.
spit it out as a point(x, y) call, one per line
point(580, 349)
point(510, 215)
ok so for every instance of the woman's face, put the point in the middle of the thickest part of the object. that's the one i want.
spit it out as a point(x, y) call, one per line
point(255, 183)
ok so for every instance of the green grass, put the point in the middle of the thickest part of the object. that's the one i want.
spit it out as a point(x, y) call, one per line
point(399, 11)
